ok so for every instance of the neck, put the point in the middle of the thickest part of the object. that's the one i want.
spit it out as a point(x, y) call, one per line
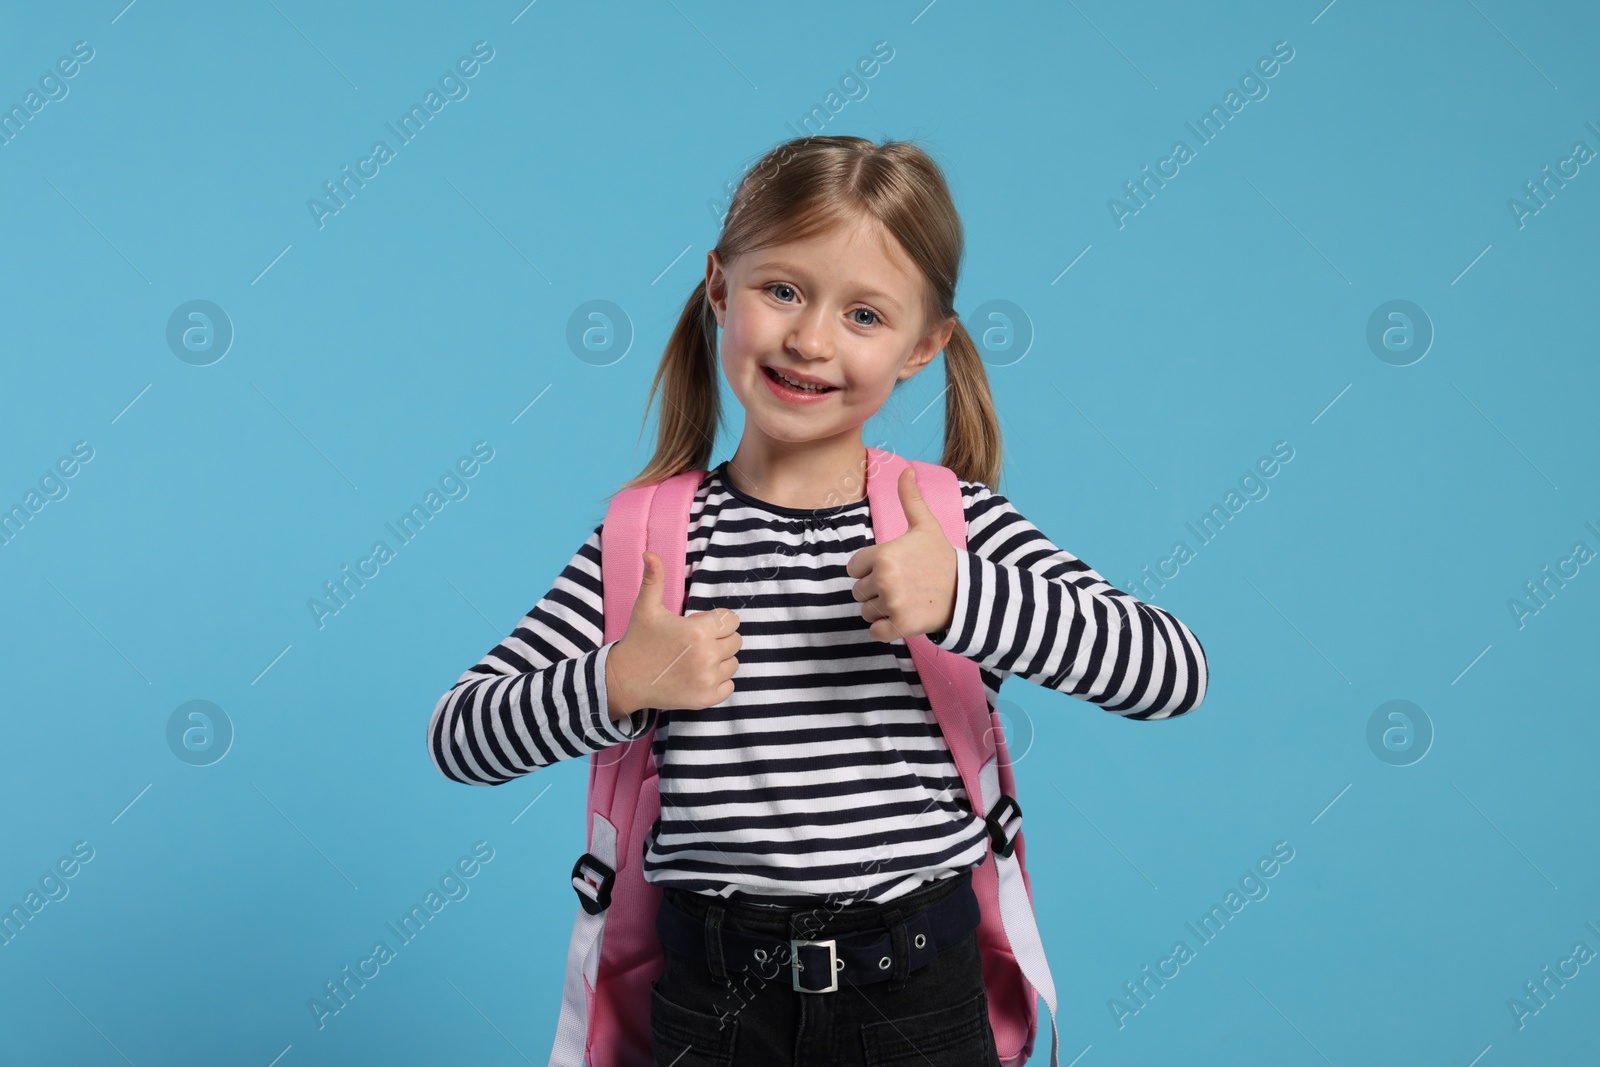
point(816, 475)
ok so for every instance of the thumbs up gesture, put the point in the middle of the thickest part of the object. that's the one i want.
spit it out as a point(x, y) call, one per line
point(667, 660)
point(907, 586)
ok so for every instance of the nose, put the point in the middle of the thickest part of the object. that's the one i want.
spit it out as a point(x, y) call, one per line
point(810, 336)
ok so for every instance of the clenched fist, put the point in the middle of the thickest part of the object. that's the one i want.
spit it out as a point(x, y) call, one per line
point(666, 660)
point(907, 586)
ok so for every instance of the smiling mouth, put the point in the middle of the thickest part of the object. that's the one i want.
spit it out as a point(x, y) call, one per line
point(790, 383)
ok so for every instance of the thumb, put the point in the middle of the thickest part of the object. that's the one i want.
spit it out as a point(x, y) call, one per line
point(917, 511)
point(652, 588)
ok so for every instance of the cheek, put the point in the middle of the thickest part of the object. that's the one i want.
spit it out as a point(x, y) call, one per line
point(739, 339)
point(873, 386)
point(740, 362)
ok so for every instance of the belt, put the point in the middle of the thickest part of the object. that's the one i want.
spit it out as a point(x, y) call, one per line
point(860, 956)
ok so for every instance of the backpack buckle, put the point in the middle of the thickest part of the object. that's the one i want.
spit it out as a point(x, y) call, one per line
point(601, 898)
point(999, 840)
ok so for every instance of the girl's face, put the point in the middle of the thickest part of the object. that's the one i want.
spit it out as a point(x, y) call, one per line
point(843, 308)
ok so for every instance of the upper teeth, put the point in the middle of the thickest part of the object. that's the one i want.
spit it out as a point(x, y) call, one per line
point(802, 386)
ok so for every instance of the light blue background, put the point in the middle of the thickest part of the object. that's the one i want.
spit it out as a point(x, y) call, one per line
point(589, 162)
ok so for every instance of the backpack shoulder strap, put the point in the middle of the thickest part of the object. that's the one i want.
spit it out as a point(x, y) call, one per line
point(952, 682)
point(654, 517)
point(1008, 934)
point(600, 1021)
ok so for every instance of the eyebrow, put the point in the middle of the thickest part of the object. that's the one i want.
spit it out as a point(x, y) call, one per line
point(790, 268)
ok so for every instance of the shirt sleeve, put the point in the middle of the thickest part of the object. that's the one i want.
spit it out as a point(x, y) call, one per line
point(539, 696)
point(1025, 607)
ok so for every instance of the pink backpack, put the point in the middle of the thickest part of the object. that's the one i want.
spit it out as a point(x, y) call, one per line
point(615, 953)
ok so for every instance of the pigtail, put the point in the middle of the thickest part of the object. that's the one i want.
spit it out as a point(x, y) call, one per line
point(691, 410)
point(972, 447)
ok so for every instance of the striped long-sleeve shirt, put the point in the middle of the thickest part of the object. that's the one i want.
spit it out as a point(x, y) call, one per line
point(825, 771)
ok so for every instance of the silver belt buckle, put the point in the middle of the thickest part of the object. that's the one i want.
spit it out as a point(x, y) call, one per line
point(795, 966)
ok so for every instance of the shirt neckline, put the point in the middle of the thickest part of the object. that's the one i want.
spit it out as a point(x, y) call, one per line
point(778, 509)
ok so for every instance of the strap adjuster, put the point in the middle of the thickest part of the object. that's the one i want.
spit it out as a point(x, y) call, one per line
point(999, 840)
point(795, 966)
point(601, 900)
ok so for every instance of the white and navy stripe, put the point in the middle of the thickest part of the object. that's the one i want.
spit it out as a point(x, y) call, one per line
point(825, 771)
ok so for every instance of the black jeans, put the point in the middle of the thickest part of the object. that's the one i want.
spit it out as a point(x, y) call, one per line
point(703, 1014)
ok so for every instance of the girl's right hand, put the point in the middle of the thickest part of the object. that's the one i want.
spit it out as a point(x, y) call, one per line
point(666, 660)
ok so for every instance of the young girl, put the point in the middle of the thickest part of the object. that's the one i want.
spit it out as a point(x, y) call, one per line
point(800, 762)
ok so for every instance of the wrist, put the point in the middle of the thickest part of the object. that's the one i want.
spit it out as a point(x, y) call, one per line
point(942, 633)
point(955, 588)
point(619, 699)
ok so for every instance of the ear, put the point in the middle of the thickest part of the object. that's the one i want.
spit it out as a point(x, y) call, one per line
point(931, 345)
point(716, 285)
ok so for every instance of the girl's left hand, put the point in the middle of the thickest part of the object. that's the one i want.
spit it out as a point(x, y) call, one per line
point(907, 586)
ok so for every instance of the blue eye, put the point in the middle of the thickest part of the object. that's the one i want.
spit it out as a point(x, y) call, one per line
point(775, 286)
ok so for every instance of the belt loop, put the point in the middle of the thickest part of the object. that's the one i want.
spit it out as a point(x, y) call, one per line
point(714, 960)
point(902, 957)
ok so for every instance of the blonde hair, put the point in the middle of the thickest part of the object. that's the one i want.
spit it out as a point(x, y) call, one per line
point(805, 187)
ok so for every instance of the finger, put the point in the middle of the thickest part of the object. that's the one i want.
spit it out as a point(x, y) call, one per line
point(860, 564)
point(885, 630)
point(874, 609)
point(652, 586)
point(881, 623)
point(865, 589)
point(720, 622)
point(917, 511)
